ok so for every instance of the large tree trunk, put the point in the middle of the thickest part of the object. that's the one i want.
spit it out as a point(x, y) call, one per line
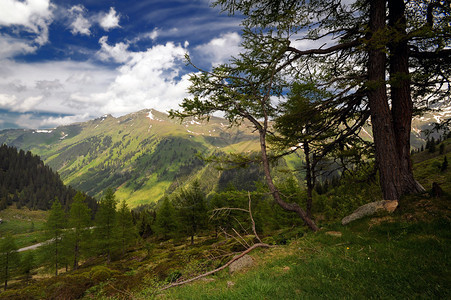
point(381, 118)
point(294, 207)
point(402, 105)
point(309, 178)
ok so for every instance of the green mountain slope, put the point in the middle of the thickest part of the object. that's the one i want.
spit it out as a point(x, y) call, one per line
point(146, 154)
point(142, 155)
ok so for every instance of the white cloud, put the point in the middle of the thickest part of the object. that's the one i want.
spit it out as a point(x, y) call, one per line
point(221, 49)
point(28, 103)
point(48, 86)
point(79, 24)
point(9, 47)
point(58, 121)
point(7, 101)
point(149, 79)
point(118, 52)
point(154, 34)
point(146, 79)
point(30, 16)
point(110, 20)
point(29, 13)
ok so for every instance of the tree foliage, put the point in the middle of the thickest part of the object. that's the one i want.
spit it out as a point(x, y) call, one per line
point(79, 224)
point(26, 181)
point(192, 209)
point(166, 223)
point(105, 225)
point(126, 230)
point(361, 43)
point(56, 250)
point(9, 258)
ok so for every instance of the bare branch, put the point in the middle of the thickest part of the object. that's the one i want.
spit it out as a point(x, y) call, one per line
point(259, 245)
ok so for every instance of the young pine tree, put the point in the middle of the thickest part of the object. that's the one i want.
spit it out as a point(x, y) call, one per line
point(79, 223)
point(105, 225)
point(56, 250)
point(126, 230)
point(9, 258)
point(192, 210)
point(28, 263)
point(166, 224)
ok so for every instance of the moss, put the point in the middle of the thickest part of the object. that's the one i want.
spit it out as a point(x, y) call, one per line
point(102, 273)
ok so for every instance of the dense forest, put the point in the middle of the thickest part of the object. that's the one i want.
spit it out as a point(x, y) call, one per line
point(26, 181)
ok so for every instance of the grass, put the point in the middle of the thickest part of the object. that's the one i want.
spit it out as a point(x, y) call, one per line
point(25, 225)
point(404, 255)
point(391, 260)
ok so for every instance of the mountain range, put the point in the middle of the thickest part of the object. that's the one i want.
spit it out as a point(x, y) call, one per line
point(142, 155)
point(145, 155)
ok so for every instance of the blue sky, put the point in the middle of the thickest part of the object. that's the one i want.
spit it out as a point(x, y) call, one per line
point(64, 61)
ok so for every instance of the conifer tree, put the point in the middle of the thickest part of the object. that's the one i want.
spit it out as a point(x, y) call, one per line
point(56, 249)
point(126, 230)
point(192, 210)
point(444, 165)
point(9, 258)
point(79, 222)
point(105, 225)
point(166, 223)
point(28, 263)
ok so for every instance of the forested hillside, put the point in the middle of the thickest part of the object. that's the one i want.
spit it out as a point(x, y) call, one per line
point(143, 155)
point(26, 181)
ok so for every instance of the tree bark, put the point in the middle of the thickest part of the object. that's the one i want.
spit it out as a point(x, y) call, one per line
point(76, 250)
point(381, 117)
point(309, 177)
point(6, 270)
point(402, 105)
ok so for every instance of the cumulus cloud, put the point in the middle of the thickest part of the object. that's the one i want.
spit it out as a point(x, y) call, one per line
point(221, 49)
point(10, 46)
point(110, 20)
point(47, 87)
point(64, 120)
point(149, 79)
point(79, 23)
point(7, 101)
point(31, 16)
point(117, 53)
point(154, 78)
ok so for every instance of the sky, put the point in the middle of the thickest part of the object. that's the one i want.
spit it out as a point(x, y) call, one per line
point(65, 61)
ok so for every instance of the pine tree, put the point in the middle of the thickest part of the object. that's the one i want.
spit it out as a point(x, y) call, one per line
point(79, 222)
point(9, 258)
point(166, 223)
point(28, 264)
point(192, 209)
point(444, 165)
point(126, 230)
point(56, 250)
point(105, 225)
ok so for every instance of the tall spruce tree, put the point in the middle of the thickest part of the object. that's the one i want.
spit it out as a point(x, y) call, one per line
point(78, 236)
point(9, 258)
point(126, 230)
point(105, 225)
point(55, 250)
point(166, 223)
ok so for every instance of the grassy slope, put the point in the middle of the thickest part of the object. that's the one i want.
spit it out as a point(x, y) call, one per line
point(25, 225)
point(130, 153)
point(399, 256)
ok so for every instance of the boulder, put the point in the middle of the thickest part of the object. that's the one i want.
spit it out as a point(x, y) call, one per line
point(244, 262)
point(370, 209)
